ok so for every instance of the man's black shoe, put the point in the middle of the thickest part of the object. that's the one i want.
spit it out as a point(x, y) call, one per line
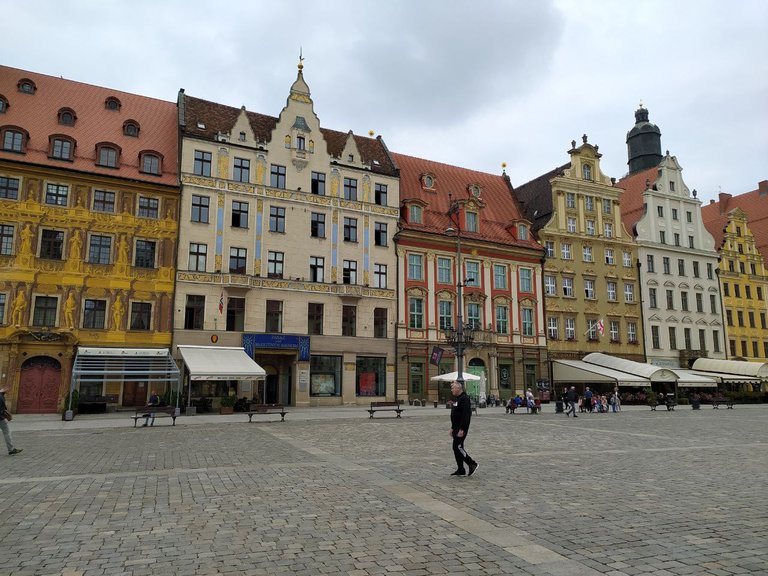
point(459, 473)
point(472, 467)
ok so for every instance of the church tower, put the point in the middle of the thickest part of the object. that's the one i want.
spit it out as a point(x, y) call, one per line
point(643, 143)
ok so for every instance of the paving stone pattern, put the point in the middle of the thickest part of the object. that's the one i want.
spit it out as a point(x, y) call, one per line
point(632, 494)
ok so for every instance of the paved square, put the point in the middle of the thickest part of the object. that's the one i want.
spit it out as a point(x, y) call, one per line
point(333, 492)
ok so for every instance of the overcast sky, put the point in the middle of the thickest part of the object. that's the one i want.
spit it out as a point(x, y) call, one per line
point(471, 83)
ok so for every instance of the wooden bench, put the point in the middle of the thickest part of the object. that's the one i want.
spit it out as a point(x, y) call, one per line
point(727, 401)
point(383, 406)
point(151, 412)
point(254, 409)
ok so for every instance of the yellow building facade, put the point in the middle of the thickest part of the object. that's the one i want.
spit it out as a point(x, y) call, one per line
point(88, 226)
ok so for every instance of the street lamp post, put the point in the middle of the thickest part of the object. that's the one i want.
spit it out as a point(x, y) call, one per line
point(462, 336)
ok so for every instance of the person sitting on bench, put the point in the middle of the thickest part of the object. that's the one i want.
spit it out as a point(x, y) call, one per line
point(154, 400)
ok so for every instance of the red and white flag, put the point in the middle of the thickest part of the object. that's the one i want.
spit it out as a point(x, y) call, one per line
point(221, 303)
point(600, 327)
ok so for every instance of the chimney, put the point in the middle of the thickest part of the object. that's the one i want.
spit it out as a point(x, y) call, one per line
point(723, 198)
point(763, 188)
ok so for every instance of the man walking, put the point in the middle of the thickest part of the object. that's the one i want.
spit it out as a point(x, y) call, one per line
point(4, 426)
point(570, 397)
point(461, 414)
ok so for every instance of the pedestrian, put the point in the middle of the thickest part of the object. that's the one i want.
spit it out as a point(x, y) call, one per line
point(461, 414)
point(616, 400)
point(4, 413)
point(154, 400)
point(588, 399)
point(570, 397)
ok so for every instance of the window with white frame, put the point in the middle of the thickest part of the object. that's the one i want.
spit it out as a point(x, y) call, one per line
point(589, 203)
point(606, 206)
point(565, 251)
point(415, 267)
point(527, 321)
point(570, 224)
point(570, 200)
point(568, 287)
point(416, 313)
point(522, 232)
point(626, 259)
point(587, 253)
point(570, 328)
point(471, 221)
point(591, 328)
point(611, 287)
point(474, 319)
point(590, 227)
point(632, 332)
point(549, 246)
point(526, 280)
point(608, 230)
point(502, 319)
point(473, 273)
point(445, 314)
point(444, 267)
point(609, 256)
point(499, 277)
point(614, 330)
point(553, 328)
point(629, 293)
point(550, 285)
point(589, 288)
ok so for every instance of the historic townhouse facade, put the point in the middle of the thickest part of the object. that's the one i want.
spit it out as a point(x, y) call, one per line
point(88, 207)
point(682, 310)
point(743, 280)
point(500, 277)
point(590, 281)
point(286, 249)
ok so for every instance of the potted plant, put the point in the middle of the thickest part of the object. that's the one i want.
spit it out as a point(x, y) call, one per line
point(651, 399)
point(227, 405)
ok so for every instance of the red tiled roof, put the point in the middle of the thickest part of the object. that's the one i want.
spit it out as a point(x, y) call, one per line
point(501, 208)
point(219, 118)
point(754, 204)
point(38, 114)
point(632, 198)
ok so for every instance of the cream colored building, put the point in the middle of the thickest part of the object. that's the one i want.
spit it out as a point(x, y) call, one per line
point(286, 249)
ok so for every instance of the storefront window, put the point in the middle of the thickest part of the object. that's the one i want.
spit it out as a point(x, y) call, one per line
point(371, 376)
point(325, 376)
point(416, 379)
point(213, 388)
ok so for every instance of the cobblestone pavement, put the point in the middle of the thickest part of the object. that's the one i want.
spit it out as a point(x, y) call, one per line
point(333, 492)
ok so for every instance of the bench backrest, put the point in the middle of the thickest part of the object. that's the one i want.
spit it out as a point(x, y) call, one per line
point(385, 404)
point(264, 407)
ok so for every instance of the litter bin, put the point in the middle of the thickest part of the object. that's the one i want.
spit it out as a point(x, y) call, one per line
point(559, 407)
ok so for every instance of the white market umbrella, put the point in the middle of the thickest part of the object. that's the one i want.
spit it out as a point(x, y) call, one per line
point(451, 376)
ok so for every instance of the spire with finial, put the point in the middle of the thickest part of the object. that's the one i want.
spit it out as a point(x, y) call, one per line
point(301, 58)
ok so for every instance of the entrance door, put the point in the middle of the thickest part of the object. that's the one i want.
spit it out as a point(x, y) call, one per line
point(270, 389)
point(39, 385)
point(134, 394)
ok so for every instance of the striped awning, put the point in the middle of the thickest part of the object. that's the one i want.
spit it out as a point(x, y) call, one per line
point(124, 365)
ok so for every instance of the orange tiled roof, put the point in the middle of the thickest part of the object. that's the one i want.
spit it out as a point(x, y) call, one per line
point(632, 197)
point(501, 208)
point(219, 118)
point(38, 114)
point(754, 204)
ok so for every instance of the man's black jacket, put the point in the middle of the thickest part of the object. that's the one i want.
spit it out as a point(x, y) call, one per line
point(461, 413)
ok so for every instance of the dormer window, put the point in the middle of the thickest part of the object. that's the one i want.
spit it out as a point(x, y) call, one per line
point(14, 139)
point(61, 147)
point(428, 181)
point(241, 138)
point(587, 171)
point(112, 103)
point(415, 214)
point(3, 104)
point(522, 232)
point(475, 190)
point(26, 86)
point(107, 155)
point(300, 143)
point(131, 128)
point(471, 221)
point(67, 117)
point(151, 163)
point(351, 158)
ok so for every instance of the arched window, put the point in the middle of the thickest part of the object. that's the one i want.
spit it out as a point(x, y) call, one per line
point(108, 155)
point(112, 103)
point(14, 139)
point(131, 128)
point(151, 162)
point(3, 104)
point(67, 117)
point(61, 147)
point(26, 86)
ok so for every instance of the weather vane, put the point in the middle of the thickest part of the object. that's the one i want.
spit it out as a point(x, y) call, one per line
point(301, 58)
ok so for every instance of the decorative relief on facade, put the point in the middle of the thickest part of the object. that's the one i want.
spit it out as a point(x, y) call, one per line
point(335, 179)
point(261, 170)
point(194, 277)
point(220, 200)
point(198, 181)
point(279, 193)
point(299, 164)
point(316, 199)
point(376, 209)
point(366, 188)
point(243, 188)
point(351, 204)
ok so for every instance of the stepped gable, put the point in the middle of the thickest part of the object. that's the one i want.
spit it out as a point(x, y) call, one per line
point(754, 204)
point(205, 120)
point(632, 197)
point(38, 114)
point(536, 197)
point(500, 208)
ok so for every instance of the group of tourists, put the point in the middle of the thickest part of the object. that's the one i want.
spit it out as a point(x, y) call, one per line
point(590, 401)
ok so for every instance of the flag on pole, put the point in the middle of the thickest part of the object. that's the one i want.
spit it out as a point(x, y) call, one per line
point(221, 303)
point(600, 327)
